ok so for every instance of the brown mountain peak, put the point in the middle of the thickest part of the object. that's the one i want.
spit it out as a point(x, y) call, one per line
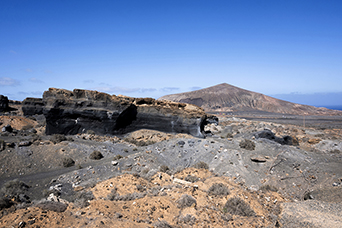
point(226, 98)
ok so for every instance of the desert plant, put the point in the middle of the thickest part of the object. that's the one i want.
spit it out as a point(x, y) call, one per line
point(52, 206)
point(268, 187)
point(140, 188)
point(201, 165)
point(237, 206)
point(14, 188)
point(5, 202)
point(139, 142)
point(163, 168)
point(27, 127)
point(90, 132)
point(191, 178)
point(229, 135)
point(57, 138)
point(96, 155)
point(218, 189)
point(117, 157)
point(247, 144)
point(82, 198)
point(187, 219)
point(68, 162)
point(162, 224)
point(186, 201)
point(114, 196)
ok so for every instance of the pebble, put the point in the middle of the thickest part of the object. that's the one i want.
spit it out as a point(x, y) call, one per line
point(114, 163)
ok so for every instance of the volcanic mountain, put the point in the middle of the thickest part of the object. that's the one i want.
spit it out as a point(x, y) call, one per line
point(228, 98)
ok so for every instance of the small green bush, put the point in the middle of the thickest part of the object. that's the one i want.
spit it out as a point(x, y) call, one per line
point(247, 144)
point(201, 165)
point(237, 206)
point(96, 155)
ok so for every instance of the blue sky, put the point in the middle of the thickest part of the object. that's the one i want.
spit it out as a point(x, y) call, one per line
point(152, 48)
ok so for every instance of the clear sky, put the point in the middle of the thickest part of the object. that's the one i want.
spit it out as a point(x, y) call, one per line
point(149, 48)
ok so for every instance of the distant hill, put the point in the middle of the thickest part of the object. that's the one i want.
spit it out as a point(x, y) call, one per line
point(228, 98)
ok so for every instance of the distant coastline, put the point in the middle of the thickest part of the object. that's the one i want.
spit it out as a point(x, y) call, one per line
point(334, 107)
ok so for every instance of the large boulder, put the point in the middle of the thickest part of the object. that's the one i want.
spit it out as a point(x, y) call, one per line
point(3, 103)
point(32, 106)
point(72, 112)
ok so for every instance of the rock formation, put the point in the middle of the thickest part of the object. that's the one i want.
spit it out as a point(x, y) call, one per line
point(228, 98)
point(77, 111)
point(32, 106)
point(3, 103)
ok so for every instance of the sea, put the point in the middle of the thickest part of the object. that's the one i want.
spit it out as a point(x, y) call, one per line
point(334, 107)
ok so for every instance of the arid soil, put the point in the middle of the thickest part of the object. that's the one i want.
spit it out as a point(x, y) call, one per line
point(232, 178)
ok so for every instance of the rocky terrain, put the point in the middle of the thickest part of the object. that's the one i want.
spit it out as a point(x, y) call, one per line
point(228, 98)
point(244, 173)
point(78, 111)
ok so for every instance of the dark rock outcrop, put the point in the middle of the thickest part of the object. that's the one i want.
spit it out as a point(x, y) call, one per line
point(268, 134)
point(3, 103)
point(32, 106)
point(72, 112)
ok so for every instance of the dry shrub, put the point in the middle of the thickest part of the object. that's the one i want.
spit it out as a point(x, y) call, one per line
point(52, 206)
point(5, 203)
point(117, 157)
point(187, 219)
point(82, 198)
point(114, 196)
point(96, 155)
point(162, 224)
point(191, 178)
point(14, 188)
point(247, 144)
point(237, 206)
point(268, 187)
point(201, 165)
point(164, 168)
point(57, 138)
point(139, 142)
point(218, 189)
point(68, 162)
point(186, 201)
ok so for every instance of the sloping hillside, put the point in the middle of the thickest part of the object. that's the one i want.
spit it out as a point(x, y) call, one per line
point(226, 98)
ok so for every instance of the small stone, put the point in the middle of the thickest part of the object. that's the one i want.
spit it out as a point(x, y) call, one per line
point(114, 163)
point(257, 158)
point(24, 143)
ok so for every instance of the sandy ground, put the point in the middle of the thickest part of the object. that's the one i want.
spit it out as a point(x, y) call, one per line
point(144, 186)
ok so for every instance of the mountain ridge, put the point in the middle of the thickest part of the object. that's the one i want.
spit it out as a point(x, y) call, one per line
point(228, 98)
